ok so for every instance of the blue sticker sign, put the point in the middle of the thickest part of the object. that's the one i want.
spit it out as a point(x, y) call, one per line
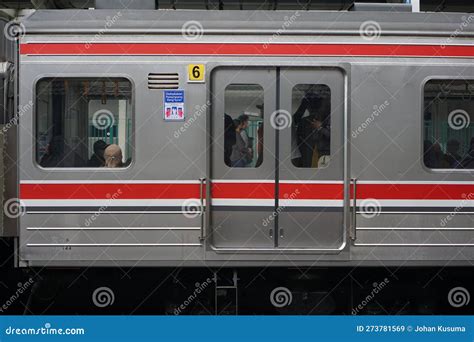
point(173, 108)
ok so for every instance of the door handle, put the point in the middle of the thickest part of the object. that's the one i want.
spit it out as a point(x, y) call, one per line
point(270, 233)
point(282, 233)
point(202, 237)
point(353, 232)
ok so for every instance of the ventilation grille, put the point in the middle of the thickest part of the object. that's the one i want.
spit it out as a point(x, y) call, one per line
point(163, 81)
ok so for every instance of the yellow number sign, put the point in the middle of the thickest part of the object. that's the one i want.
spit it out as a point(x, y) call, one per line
point(196, 72)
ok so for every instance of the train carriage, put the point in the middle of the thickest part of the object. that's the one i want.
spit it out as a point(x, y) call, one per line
point(393, 91)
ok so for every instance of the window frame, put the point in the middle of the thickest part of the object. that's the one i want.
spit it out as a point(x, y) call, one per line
point(72, 77)
point(422, 124)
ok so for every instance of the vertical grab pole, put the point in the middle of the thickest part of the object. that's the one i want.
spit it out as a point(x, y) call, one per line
point(201, 201)
point(353, 234)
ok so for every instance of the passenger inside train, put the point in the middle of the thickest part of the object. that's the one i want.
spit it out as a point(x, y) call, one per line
point(78, 118)
point(53, 154)
point(311, 132)
point(97, 159)
point(243, 125)
point(259, 144)
point(113, 156)
point(242, 153)
point(435, 158)
point(229, 138)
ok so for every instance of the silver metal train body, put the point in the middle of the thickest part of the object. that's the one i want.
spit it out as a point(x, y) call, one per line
point(389, 88)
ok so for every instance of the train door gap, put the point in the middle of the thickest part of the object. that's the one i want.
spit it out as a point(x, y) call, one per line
point(277, 158)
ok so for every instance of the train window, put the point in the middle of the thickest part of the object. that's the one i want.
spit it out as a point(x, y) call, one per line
point(243, 125)
point(311, 128)
point(448, 124)
point(83, 122)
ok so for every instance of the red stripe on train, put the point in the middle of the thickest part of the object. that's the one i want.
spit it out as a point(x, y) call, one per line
point(144, 191)
point(243, 190)
point(301, 191)
point(416, 191)
point(108, 191)
point(252, 49)
point(329, 191)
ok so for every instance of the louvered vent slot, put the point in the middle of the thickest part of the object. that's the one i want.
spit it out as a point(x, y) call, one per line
point(163, 81)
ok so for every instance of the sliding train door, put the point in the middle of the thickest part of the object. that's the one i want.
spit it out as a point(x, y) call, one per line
point(242, 184)
point(277, 180)
point(311, 184)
